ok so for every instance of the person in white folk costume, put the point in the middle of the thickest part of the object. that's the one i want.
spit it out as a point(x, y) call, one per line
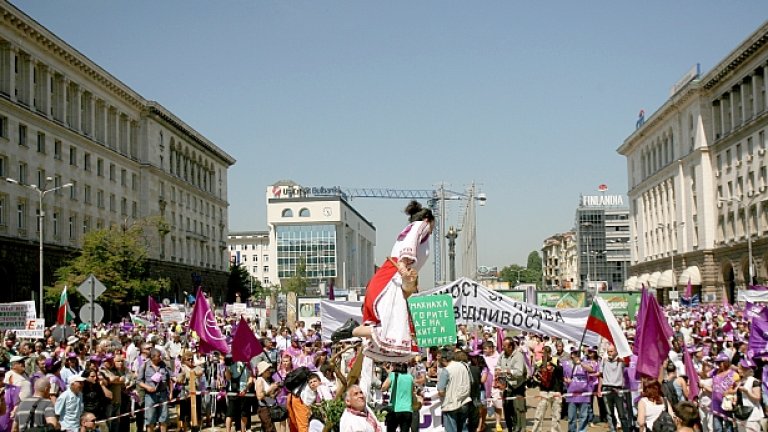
point(385, 310)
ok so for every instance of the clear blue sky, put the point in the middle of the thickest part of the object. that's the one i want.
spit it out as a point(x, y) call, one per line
point(529, 99)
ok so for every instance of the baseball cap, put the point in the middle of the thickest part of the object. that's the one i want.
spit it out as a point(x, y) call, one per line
point(75, 378)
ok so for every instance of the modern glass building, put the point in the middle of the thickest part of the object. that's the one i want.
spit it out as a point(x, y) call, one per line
point(602, 236)
point(315, 245)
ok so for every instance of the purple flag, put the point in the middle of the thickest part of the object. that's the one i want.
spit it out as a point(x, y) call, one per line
point(204, 324)
point(654, 338)
point(753, 310)
point(641, 312)
point(689, 289)
point(153, 306)
point(758, 287)
point(499, 338)
point(245, 345)
point(690, 372)
point(758, 337)
point(331, 294)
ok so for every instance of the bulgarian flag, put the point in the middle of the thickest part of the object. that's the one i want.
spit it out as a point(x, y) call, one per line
point(602, 321)
point(139, 321)
point(65, 314)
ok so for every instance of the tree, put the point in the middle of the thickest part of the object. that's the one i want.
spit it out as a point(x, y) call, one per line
point(117, 256)
point(512, 274)
point(238, 282)
point(297, 283)
point(534, 268)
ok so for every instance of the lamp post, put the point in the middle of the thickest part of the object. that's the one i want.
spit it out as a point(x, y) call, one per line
point(41, 192)
point(749, 235)
point(587, 225)
point(672, 231)
point(451, 236)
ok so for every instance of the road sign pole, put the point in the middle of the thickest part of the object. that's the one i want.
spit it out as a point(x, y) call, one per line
point(93, 310)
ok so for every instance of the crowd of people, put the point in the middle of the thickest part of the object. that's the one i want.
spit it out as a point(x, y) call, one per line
point(121, 375)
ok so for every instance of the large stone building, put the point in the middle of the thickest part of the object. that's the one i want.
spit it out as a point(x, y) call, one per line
point(697, 179)
point(64, 119)
point(560, 261)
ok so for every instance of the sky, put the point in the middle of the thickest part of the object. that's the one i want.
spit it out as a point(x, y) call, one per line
point(528, 100)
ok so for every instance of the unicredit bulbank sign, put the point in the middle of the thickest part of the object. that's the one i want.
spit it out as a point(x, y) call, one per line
point(602, 201)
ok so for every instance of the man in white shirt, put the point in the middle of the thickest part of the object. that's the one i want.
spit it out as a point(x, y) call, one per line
point(357, 417)
point(18, 377)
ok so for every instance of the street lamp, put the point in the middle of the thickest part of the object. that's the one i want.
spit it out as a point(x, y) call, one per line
point(586, 225)
point(672, 231)
point(41, 192)
point(749, 233)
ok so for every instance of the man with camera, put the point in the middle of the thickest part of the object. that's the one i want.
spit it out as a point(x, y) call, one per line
point(239, 378)
point(512, 367)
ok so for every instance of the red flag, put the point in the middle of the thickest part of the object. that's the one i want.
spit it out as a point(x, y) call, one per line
point(245, 345)
point(153, 306)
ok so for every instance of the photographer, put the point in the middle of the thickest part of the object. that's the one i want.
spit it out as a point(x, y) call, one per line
point(514, 370)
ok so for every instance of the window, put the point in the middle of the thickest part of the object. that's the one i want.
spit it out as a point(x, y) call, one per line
point(4, 127)
point(57, 184)
point(55, 224)
point(245, 258)
point(41, 178)
point(73, 190)
point(21, 215)
point(87, 162)
point(22, 173)
point(100, 167)
point(134, 209)
point(86, 224)
point(57, 149)
point(750, 146)
point(40, 142)
point(287, 213)
point(112, 172)
point(112, 203)
point(100, 198)
point(255, 269)
point(3, 200)
point(72, 227)
point(22, 135)
point(728, 158)
point(3, 168)
point(304, 212)
point(135, 183)
point(73, 155)
point(123, 177)
point(266, 269)
point(87, 194)
point(124, 206)
point(266, 258)
point(255, 258)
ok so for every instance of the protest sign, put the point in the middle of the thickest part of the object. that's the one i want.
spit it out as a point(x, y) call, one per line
point(171, 314)
point(433, 320)
point(34, 329)
point(14, 316)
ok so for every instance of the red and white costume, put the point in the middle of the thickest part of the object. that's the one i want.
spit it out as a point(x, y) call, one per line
point(385, 307)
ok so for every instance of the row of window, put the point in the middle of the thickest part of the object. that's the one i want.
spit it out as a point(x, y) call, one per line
point(287, 213)
point(726, 156)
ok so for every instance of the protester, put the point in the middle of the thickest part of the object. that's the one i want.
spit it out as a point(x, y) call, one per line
point(42, 406)
point(749, 391)
point(650, 405)
point(154, 378)
point(69, 406)
point(453, 387)
point(513, 368)
point(611, 387)
point(401, 397)
point(357, 417)
point(549, 377)
point(266, 389)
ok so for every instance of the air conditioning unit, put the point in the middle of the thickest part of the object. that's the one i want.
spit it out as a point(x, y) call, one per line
point(717, 173)
point(761, 151)
point(762, 189)
point(719, 204)
point(749, 158)
point(750, 193)
point(738, 163)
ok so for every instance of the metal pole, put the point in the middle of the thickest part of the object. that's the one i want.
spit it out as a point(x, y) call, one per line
point(93, 308)
point(748, 215)
point(40, 228)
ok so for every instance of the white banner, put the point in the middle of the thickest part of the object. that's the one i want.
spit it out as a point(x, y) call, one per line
point(171, 314)
point(753, 296)
point(34, 329)
point(476, 304)
point(335, 313)
point(14, 316)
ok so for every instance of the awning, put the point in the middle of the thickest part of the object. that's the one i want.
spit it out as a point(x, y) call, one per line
point(630, 284)
point(643, 280)
point(666, 280)
point(653, 281)
point(691, 273)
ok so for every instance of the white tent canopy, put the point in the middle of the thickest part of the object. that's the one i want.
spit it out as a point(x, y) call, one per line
point(666, 280)
point(691, 273)
point(643, 280)
point(653, 280)
point(631, 284)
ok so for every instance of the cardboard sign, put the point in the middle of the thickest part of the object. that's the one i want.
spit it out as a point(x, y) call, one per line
point(433, 320)
point(33, 330)
point(171, 314)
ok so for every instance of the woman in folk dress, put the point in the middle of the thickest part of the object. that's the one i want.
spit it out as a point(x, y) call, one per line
point(385, 309)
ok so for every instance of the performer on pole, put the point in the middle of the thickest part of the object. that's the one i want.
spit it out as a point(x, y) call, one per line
point(385, 309)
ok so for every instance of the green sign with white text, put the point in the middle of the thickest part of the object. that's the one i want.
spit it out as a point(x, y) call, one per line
point(622, 303)
point(433, 320)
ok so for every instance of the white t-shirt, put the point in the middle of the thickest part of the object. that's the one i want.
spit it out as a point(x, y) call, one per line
point(308, 396)
point(757, 411)
point(652, 412)
point(354, 423)
point(25, 387)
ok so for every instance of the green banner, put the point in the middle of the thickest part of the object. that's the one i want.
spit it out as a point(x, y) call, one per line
point(622, 302)
point(433, 320)
point(518, 296)
point(561, 299)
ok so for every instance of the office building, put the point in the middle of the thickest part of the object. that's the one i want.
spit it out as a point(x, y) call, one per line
point(560, 261)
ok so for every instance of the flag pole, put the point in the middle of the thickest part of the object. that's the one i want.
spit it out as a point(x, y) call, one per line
point(584, 334)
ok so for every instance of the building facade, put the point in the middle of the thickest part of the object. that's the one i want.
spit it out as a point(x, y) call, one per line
point(322, 231)
point(251, 249)
point(65, 120)
point(602, 238)
point(560, 263)
point(697, 178)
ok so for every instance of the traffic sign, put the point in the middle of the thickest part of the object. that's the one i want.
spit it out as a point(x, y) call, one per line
point(91, 284)
point(98, 313)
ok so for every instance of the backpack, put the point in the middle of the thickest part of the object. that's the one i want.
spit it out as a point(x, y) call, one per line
point(665, 422)
point(669, 392)
point(296, 378)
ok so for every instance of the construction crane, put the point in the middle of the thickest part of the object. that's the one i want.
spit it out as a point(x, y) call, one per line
point(435, 199)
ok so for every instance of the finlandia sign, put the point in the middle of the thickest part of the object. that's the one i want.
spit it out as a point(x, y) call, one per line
point(602, 201)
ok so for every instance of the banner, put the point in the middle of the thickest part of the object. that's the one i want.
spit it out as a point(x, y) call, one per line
point(753, 296)
point(752, 310)
point(433, 320)
point(622, 303)
point(14, 316)
point(335, 313)
point(561, 299)
point(171, 314)
point(309, 310)
point(34, 329)
point(476, 304)
point(236, 309)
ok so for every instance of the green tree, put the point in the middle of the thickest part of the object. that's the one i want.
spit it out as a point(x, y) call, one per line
point(117, 256)
point(238, 282)
point(534, 268)
point(297, 283)
point(512, 274)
